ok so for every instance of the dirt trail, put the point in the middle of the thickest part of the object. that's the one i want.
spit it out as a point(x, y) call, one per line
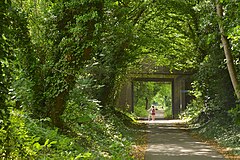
point(167, 140)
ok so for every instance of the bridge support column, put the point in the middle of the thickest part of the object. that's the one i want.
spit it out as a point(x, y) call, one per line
point(176, 98)
point(179, 97)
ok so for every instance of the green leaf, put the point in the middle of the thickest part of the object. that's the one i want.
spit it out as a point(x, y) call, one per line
point(37, 146)
point(4, 38)
point(84, 155)
point(46, 142)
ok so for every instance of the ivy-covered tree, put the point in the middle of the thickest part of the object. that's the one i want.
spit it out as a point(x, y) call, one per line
point(63, 36)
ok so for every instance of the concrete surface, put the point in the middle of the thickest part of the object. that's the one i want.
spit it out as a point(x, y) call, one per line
point(167, 140)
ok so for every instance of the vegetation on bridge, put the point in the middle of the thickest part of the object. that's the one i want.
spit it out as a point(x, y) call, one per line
point(62, 64)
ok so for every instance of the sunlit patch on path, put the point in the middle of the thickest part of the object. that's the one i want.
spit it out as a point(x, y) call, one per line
point(168, 140)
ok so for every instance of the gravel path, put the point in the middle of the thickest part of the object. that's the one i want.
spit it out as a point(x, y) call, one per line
point(168, 141)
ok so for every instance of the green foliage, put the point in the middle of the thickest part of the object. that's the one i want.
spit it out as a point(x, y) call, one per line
point(168, 113)
point(235, 114)
point(61, 45)
point(13, 39)
point(114, 49)
point(96, 132)
point(65, 61)
point(16, 140)
point(52, 144)
point(97, 138)
point(157, 93)
point(223, 132)
point(62, 35)
point(140, 111)
point(212, 86)
point(166, 34)
point(193, 110)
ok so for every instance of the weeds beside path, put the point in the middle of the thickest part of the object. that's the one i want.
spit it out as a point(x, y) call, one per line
point(140, 136)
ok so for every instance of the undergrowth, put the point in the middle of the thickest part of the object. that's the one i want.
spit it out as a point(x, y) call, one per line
point(95, 137)
point(89, 131)
point(214, 125)
point(225, 134)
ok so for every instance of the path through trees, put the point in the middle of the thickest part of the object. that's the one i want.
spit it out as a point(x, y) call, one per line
point(63, 64)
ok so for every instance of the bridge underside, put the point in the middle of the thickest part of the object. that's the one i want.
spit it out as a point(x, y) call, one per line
point(181, 83)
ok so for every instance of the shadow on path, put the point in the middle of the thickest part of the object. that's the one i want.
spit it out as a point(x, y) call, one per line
point(168, 140)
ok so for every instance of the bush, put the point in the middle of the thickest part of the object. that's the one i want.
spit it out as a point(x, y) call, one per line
point(95, 137)
point(235, 114)
point(167, 113)
point(140, 111)
point(16, 139)
point(193, 110)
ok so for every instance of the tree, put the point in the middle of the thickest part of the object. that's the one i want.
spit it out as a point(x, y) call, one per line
point(227, 51)
point(166, 34)
point(115, 48)
point(62, 42)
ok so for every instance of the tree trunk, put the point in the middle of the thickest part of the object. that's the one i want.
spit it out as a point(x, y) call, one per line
point(58, 109)
point(227, 51)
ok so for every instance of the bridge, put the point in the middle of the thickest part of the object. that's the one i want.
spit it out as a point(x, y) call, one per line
point(179, 80)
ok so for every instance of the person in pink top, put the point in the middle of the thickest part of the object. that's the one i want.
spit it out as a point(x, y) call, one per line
point(152, 112)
